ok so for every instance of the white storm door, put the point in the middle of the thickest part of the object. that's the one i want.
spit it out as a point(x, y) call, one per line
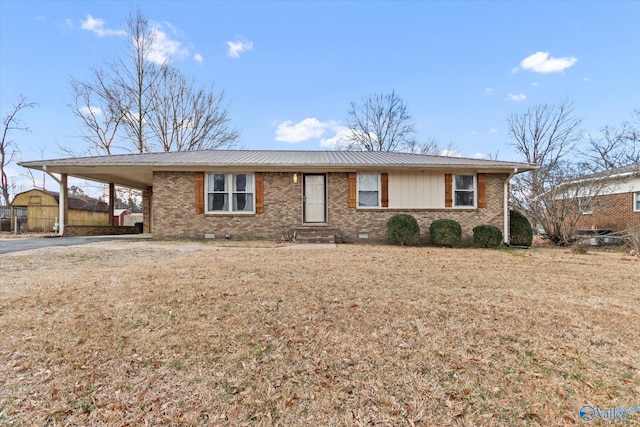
point(314, 198)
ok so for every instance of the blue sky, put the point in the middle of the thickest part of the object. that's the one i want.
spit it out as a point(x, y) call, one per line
point(291, 69)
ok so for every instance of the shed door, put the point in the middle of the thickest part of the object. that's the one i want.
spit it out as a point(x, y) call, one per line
point(314, 198)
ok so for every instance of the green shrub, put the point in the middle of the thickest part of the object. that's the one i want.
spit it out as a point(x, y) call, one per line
point(403, 229)
point(487, 236)
point(445, 232)
point(520, 231)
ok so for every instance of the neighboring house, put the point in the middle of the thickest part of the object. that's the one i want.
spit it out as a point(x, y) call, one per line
point(119, 216)
point(349, 195)
point(43, 210)
point(617, 205)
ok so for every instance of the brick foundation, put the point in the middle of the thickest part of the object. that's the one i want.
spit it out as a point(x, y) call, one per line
point(97, 230)
point(173, 215)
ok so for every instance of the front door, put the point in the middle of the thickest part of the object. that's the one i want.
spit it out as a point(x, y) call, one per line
point(314, 198)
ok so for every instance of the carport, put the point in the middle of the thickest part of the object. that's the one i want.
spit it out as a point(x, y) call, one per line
point(114, 172)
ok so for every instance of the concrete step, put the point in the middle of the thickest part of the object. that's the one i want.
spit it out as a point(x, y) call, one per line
point(314, 234)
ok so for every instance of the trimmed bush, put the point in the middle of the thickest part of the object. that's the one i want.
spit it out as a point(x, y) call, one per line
point(520, 231)
point(445, 232)
point(403, 229)
point(487, 236)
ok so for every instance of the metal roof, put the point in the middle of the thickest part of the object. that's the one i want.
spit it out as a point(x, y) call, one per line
point(136, 170)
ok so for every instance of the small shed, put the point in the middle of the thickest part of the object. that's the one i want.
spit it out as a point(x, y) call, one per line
point(43, 209)
point(119, 216)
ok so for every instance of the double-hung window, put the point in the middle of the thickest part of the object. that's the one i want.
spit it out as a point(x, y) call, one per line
point(368, 190)
point(464, 190)
point(636, 201)
point(230, 193)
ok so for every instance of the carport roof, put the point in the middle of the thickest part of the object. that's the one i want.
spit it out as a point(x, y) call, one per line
point(136, 170)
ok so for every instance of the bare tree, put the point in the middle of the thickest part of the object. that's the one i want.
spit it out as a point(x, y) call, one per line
point(380, 123)
point(99, 111)
point(431, 147)
point(613, 147)
point(140, 103)
point(184, 117)
point(11, 123)
point(544, 135)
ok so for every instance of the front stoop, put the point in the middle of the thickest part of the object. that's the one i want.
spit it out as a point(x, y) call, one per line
point(319, 234)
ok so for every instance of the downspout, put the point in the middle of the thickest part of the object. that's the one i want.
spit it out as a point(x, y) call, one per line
point(505, 231)
point(61, 201)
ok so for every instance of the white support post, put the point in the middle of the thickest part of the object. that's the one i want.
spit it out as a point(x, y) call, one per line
point(62, 204)
point(505, 232)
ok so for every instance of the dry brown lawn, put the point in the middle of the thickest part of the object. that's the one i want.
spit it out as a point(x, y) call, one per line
point(189, 333)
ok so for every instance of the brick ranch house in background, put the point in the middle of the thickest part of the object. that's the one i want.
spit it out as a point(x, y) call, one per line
point(617, 206)
point(349, 195)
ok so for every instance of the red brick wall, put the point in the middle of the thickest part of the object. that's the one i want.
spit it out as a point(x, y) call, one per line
point(173, 210)
point(610, 212)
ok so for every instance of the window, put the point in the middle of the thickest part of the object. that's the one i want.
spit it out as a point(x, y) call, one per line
point(368, 190)
point(231, 192)
point(464, 190)
point(585, 205)
point(636, 201)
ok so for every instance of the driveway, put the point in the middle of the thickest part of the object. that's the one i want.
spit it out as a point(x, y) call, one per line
point(16, 245)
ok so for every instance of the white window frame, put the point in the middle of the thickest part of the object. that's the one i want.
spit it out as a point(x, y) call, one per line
point(378, 190)
point(474, 191)
point(586, 206)
point(636, 201)
point(230, 191)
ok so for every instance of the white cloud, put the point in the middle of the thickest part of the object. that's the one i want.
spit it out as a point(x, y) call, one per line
point(238, 47)
point(479, 155)
point(541, 62)
point(449, 153)
point(535, 84)
point(586, 79)
point(94, 111)
point(488, 90)
point(304, 130)
point(519, 97)
point(164, 47)
point(96, 26)
point(339, 140)
point(493, 130)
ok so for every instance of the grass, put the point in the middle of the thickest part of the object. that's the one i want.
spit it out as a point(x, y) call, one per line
point(190, 333)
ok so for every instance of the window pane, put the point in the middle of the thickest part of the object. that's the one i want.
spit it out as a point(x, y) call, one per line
point(637, 199)
point(240, 182)
point(217, 202)
point(368, 182)
point(217, 182)
point(368, 198)
point(243, 202)
point(464, 182)
point(464, 198)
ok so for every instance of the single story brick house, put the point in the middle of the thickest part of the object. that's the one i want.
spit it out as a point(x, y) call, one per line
point(617, 205)
point(263, 194)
